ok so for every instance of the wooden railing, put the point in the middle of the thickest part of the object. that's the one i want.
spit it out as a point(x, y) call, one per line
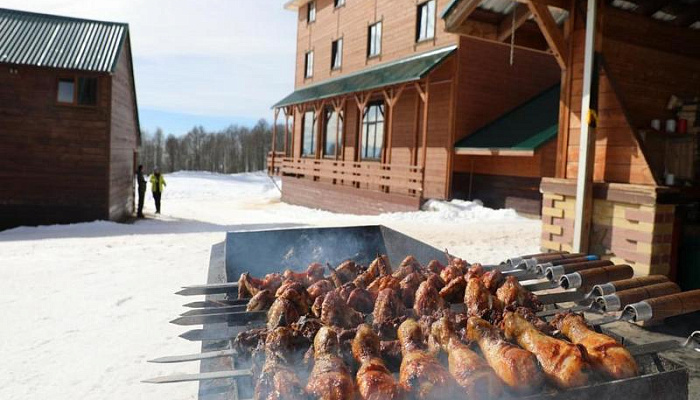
point(388, 178)
point(276, 169)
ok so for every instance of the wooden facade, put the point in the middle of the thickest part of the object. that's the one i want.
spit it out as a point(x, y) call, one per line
point(640, 63)
point(424, 117)
point(64, 163)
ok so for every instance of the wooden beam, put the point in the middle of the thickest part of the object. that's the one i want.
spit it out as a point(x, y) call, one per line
point(584, 180)
point(274, 141)
point(513, 21)
point(649, 7)
point(561, 4)
point(460, 13)
point(565, 99)
point(550, 30)
point(286, 131)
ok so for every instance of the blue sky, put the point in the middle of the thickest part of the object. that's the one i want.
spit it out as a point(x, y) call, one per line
point(198, 62)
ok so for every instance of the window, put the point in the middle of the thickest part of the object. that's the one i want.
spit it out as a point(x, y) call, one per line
point(374, 40)
point(311, 12)
point(85, 95)
point(333, 126)
point(339, 3)
point(373, 131)
point(337, 54)
point(66, 90)
point(425, 25)
point(308, 139)
point(309, 65)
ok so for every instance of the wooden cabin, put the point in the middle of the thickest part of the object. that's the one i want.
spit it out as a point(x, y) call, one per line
point(382, 95)
point(628, 190)
point(69, 127)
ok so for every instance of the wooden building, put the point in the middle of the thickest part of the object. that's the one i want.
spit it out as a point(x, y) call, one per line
point(383, 94)
point(621, 62)
point(69, 127)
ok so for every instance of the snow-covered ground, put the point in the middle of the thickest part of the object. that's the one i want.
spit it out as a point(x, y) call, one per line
point(85, 305)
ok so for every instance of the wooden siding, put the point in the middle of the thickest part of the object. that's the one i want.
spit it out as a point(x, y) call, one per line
point(53, 158)
point(489, 86)
point(123, 140)
point(618, 155)
point(351, 22)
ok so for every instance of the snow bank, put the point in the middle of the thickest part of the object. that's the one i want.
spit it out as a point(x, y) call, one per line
point(456, 211)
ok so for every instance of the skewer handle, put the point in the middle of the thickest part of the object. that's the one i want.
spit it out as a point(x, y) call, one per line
point(590, 277)
point(555, 272)
point(617, 300)
point(674, 304)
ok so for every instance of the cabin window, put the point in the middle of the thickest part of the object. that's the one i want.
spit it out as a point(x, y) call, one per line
point(374, 40)
point(373, 131)
point(309, 65)
point(425, 25)
point(333, 126)
point(337, 54)
point(308, 140)
point(66, 91)
point(311, 12)
point(339, 3)
point(87, 91)
point(77, 91)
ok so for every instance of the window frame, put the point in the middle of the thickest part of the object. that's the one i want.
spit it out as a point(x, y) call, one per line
point(364, 131)
point(430, 35)
point(327, 113)
point(337, 54)
point(378, 43)
point(314, 144)
point(338, 3)
point(76, 87)
point(308, 74)
point(311, 12)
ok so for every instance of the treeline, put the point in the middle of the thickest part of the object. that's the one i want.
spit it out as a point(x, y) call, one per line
point(232, 150)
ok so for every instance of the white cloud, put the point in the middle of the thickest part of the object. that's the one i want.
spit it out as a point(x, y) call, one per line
point(212, 57)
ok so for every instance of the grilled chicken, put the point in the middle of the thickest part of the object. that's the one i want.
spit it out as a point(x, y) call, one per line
point(408, 286)
point(249, 286)
point(379, 267)
point(361, 300)
point(291, 304)
point(408, 266)
point(512, 293)
point(319, 288)
point(427, 301)
point(261, 301)
point(335, 312)
point(330, 378)
point(603, 352)
point(384, 282)
point(479, 301)
point(435, 267)
point(277, 381)
point(456, 268)
point(454, 290)
point(374, 380)
point(314, 272)
point(516, 367)
point(388, 306)
point(421, 375)
point(493, 280)
point(347, 271)
point(562, 362)
point(471, 371)
point(475, 271)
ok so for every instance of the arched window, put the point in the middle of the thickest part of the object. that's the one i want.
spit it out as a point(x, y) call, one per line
point(373, 131)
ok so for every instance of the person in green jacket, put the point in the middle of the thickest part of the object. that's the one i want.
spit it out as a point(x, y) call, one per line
point(157, 186)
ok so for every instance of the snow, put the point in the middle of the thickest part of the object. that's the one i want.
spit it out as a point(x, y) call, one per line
point(85, 305)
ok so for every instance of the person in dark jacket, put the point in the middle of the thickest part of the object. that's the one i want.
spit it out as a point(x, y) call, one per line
point(157, 186)
point(141, 184)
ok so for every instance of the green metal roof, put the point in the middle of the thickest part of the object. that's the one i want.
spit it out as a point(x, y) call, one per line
point(400, 71)
point(526, 127)
point(59, 42)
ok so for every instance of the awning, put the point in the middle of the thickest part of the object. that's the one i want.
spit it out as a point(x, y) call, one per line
point(520, 131)
point(392, 73)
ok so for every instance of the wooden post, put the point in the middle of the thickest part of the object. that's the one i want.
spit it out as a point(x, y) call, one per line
point(584, 192)
point(565, 98)
point(391, 96)
point(274, 142)
point(424, 145)
point(361, 101)
point(416, 128)
point(286, 131)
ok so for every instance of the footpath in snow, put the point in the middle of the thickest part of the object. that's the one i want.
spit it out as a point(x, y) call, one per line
point(86, 305)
